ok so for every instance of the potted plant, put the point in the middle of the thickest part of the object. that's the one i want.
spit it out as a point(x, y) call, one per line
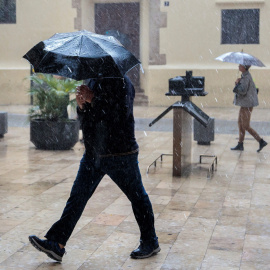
point(50, 127)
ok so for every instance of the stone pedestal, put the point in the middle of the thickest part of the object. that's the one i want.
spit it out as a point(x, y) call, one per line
point(182, 140)
point(182, 132)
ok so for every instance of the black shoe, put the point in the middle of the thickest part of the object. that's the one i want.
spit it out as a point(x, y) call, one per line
point(146, 249)
point(262, 145)
point(51, 248)
point(239, 146)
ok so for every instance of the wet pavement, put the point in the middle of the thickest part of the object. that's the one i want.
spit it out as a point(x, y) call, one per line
point(224, 124)
point(218, 223)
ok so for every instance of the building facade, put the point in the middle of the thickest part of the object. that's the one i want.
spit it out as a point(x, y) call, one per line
point(169, 37)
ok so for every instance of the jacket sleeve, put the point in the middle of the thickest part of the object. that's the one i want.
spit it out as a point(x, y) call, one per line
point(112, 101)
point(242, 87)
point(83, 112)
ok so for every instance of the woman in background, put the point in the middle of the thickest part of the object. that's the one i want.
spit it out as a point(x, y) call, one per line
point(246, 97)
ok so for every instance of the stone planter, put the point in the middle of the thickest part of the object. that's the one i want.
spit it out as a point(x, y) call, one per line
point(60, 135)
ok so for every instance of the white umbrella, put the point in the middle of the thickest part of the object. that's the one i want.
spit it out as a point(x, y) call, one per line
point(240, 58)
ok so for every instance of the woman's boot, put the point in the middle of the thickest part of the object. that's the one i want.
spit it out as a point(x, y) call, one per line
point(262, 144)
point(239, 146)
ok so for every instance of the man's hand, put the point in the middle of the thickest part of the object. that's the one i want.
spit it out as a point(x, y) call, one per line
point(84, 94)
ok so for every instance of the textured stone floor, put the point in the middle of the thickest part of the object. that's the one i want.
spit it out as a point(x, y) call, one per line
point(219, 223)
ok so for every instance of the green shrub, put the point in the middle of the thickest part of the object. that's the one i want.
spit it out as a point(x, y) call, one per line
point(51, 96)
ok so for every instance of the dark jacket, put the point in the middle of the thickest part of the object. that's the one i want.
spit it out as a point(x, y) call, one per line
point(108, 122)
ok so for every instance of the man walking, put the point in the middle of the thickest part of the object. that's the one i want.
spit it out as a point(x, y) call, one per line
point(105, 110)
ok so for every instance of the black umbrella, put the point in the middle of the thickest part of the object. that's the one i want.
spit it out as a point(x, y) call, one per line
point(81, 55)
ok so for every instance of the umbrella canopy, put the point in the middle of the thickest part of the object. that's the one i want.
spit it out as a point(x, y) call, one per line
point(81, 55)
point(240, 58)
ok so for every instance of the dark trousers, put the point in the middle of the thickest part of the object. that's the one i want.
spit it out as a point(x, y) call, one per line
point(124, 171)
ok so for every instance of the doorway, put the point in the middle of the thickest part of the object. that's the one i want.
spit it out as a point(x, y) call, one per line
point(121, 20)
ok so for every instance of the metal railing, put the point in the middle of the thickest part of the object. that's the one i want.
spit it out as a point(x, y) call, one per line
point(155, 161)
point(213, 165)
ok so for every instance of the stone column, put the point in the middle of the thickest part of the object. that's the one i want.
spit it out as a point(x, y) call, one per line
point(182, 129)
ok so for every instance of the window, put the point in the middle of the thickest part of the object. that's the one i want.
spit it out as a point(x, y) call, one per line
point(240, 26)
point(7, 11)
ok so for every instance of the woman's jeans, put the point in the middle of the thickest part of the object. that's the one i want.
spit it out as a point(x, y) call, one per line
point(124, 171)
